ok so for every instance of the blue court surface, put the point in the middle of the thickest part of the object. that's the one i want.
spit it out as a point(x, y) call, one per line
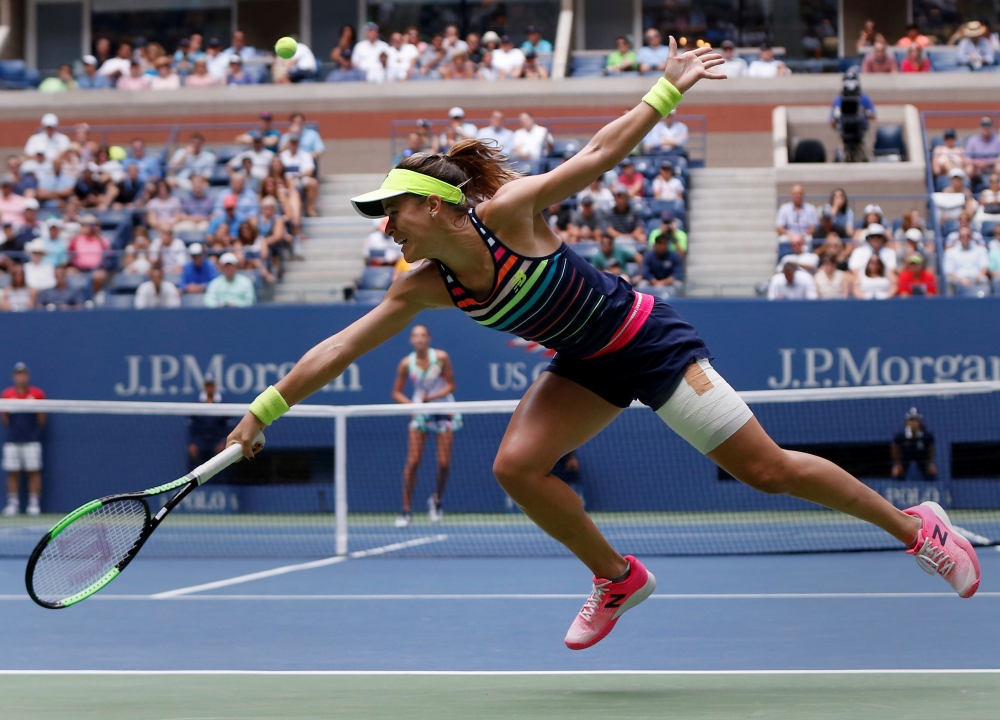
point(504, 620)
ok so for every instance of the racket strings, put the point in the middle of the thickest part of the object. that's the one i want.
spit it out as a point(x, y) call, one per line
point(88, 548)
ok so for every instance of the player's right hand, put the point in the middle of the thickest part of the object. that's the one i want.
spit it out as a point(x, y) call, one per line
point(245, 433)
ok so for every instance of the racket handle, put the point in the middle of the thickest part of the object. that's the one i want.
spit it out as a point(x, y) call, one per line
point(206, 471)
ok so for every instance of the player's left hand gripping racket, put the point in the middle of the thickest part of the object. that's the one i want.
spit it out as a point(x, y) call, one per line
point(90, 547)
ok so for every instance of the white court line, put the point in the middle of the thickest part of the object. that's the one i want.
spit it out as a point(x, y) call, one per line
point(527, 596)
point(879, 671)
point(285, 569)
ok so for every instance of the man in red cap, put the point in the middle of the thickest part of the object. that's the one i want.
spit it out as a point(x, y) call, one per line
point(22, 449)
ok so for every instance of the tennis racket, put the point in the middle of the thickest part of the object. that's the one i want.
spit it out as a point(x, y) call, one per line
point(90, 547)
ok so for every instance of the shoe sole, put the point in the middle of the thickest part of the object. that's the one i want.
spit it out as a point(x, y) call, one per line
point(644, 592)
point(961, 541)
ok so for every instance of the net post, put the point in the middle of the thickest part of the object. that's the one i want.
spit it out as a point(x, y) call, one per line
point(340, 479)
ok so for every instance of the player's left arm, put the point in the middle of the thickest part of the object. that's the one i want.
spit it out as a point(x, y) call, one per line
point(613, 142)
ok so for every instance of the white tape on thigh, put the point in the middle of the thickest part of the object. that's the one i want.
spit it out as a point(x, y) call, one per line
point(707, 412)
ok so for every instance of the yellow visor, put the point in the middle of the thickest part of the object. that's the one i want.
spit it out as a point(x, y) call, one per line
point(399, 182)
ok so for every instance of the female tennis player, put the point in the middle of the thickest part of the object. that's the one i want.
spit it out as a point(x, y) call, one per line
point(430, 372)
point(494, 256)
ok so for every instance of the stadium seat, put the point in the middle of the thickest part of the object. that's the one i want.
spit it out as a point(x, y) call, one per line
point(628, 244)
point(941, 182)
point(897, 224)
point(196, 300)
point(988, 228)
point(369, 297)
point(846, 63)
point(949, 226)
point(889, 141)
point(79, 281)
point(809, 151)
point(126, 283)
point(588, 65)
point(174, 278)
point(119, 302)
point(586, 249)
point(111, 219)
point(784, 248)
point(565, 148)
point(191, 236)
point(228, 152)
point(219, 176)
point(376, 278)
point(657, 207)
point(4, 280)
point(16, 75)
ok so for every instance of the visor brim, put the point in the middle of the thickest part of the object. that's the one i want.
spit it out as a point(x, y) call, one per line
point(370, 206)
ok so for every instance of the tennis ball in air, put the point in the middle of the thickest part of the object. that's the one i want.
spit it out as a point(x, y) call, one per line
point(286, 47)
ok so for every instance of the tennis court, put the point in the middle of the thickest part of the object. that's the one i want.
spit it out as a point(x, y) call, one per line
point(777, 636)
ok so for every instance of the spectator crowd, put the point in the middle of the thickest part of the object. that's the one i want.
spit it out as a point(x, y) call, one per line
point(91, 225)
point(975, 48)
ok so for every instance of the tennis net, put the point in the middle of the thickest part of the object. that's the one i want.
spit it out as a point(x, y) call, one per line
point(329, 481)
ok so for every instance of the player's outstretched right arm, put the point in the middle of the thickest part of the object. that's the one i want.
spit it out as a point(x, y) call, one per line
point(417, 290)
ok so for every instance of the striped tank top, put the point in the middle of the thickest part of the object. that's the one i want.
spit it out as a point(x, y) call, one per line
point(559, 301)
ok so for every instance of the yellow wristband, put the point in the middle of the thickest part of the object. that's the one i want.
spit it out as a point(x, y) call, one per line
point(269, 406)
point(663, 97)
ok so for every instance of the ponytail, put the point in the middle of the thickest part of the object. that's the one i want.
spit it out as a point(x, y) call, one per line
point(479, 168)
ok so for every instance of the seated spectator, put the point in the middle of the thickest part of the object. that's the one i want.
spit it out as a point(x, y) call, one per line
point(118, 66)
point(829, 279)
point(834, 246)
point(216, 62)
point(491, 41)
point(301, 170)
point(343, 51)
point(867, 37)
point(964, 221)
point(11, 204)
point(11, 248)
point(956, 198)
point(378, 248)
point(797, 217)
point(191, 159)
point(39, 166)
point(623, 221)
point(414, 144)
point(24, 185)
point(994, 258)
point(157, 292)
point(453, 44)
point(507, 59)
point(586, 222)
point(149, 165)
point(29, 229)
point(163, 210)
point(634, 182)
point(665, 185)
point(668, 136)
point(614, 259)
point(733, 65)
point(767, 66)
point(309, 139)
point(63, 81)
point(198, 272)
point(662, 269)
point(875, 282)
point(260, 157)
point(239, 48)
point(136, 79)
point(914, 37)
point(137, 254)
point(531, 141)
point(56, 247)
point(230, 289)
point(365, 54)
point(17, 296)
point(989, 203)
point(61, 296)
point(557, 216)
point(90, 80)
point(677, 239)
point(915, 61)
point(446, 140)
point(188, 50)
point(982, 151)
point(299, 67)
point(912, 220)
point(402, 57)
point(486, 71)
point(837, 216)
point(431, 59)
point(272, 236)
point(531, 70)
point(196, 207)
point(228, 218)
point(235, 74)
point(652, 57)
point(535, 43)
point(47, 141)
point(463, 129)
point(250, 251)
point(166, 78)
point(975, 48)
point(379, 72)
point(791, 283)
point(880, 60)
point(240, 199)
point(875, 244)
point(966, 266)
point(131, 189)
point(476, 49)
point(496, 132)
point(948, 156)
point(916, 279)
point(38, 274)
point(603, 198)
point(622, 59)
point(803, 258)
point(169, 252)
point(88, 248)
point(266, 130)
point(283, 189)
point(200, 76)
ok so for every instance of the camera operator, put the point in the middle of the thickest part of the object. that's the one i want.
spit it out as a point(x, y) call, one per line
point(850, 114)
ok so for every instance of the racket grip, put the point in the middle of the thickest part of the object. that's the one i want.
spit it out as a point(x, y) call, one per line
point(206, 471)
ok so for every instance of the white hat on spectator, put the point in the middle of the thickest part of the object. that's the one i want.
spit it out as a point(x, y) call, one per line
point(89, 60)
point(915, 235)
point(228, 259)
point(456, 112)
point(50, 120)
point(490, 36)
point(195, 249)
point(89, 219)
point(875, 230)
point(35, 246)
point(31, 204)
point(873, 208)
point(957, 172)
point(54, 222)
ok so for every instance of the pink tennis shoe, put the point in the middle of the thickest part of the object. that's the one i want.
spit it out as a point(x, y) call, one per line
point(608, 601)
point(940, 549)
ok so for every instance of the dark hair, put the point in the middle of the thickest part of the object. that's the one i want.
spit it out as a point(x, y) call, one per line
point(881, 265)
point(480, 166)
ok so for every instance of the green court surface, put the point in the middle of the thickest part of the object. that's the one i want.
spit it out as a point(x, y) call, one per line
point(693, 696)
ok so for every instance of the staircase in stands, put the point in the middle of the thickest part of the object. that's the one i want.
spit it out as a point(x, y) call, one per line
point(733, 245)
point(332, 253)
